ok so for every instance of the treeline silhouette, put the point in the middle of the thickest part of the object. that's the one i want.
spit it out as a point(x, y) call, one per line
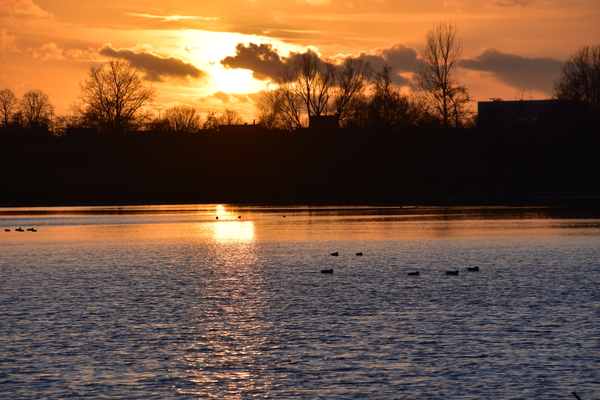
point(550, 162)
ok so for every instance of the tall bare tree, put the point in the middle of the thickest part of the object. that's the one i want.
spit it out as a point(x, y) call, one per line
point(312, 80)
point(580, 80)
point(36, 109)
point(446, 97)
point(8, 105)
point(388, 109)
point(183, 119)
point(352, 78)
point(113, 97)
point(280, 109)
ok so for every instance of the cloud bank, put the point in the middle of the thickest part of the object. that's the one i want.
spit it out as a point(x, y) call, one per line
point(156, 68)
point(519, 72)
point(262, 59)
point(266, 63)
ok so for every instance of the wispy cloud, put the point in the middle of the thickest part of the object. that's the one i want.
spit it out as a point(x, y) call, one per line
point(7, 42)
point(171, 18)
point(510, 3)
point(52, 52)
point(22, 9)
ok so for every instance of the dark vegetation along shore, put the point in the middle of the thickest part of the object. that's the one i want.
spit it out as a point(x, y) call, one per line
point(548, 163)
point(366, 142)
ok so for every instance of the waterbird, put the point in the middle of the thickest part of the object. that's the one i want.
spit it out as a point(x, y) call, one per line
point(19, 230)
point(473, 269)
point(31, 229)
point(359, 253)
point(335, 254)
point(452, 272)
point(217, 218)
point(7, 230)
point(327, 271)
point(416, 273)
point(239, 216)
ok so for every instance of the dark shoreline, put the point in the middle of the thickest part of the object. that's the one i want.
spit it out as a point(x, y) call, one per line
point(472, 167)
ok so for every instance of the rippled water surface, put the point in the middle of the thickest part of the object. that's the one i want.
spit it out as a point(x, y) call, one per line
point(164, 302)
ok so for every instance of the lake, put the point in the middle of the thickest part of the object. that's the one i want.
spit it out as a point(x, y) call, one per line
point(229, 302)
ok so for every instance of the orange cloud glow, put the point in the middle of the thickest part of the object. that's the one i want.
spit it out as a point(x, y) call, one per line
point(212, 55)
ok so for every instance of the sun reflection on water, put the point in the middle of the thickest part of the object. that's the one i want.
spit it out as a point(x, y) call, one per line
point(226, 361)
point(233, 231)
point(230, 228)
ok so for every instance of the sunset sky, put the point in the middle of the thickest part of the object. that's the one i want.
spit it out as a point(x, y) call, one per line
point(219, 54)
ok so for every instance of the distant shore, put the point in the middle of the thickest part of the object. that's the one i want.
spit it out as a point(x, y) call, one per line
point(471, 167)
point(589, 202)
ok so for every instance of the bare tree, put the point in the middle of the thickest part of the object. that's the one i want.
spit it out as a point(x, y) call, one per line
point(311, 87)
point(312, 80)
point(352, 78)
point(580, 80)
point(357, 112)
point(280, 109)
point(446, 97)
point(8, 105)
point(63, 123)
point(388, 109)
point(211, 122)
point(36, 109)
point(113, 97)
point(183, 119)
point(230, 117)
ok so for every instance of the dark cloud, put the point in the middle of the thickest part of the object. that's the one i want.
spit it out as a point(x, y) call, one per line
point(521, 73)
point(155, 67)
point(266, 63)
point(262, 59)
point(401, 58)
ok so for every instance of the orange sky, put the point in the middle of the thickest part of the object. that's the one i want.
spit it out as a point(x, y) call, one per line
point(187, 49)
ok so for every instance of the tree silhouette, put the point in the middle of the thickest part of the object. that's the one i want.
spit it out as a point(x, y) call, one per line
point(580, 80)
point(446, 97)
point(36, 109)
point(211, 122)
point(230, 117)
point(352, 78)
point(8, 105)
point(313, 87)
point(183, 119)
point(312, 80)
point(388, 109)
point(112, 97)
point(279, 109)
